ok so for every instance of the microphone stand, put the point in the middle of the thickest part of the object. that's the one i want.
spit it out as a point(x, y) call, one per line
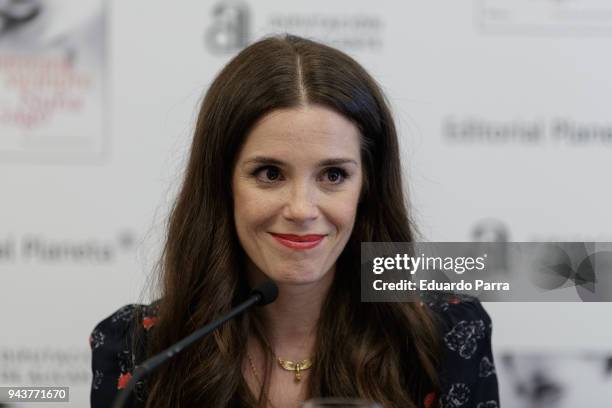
point(150, 364)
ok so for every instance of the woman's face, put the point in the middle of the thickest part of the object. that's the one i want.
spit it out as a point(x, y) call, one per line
point(296, 186)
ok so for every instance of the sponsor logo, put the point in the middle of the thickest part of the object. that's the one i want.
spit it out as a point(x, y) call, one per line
point(231, 28)
point(544, 16)
point(42, 249)
point(474, 130)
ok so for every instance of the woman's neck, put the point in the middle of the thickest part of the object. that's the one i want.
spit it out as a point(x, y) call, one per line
point(290, 322)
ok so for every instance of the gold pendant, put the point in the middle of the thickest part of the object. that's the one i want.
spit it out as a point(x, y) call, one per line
point(295, 366)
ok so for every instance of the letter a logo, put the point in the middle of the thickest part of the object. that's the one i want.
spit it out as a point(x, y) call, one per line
point(230, 29)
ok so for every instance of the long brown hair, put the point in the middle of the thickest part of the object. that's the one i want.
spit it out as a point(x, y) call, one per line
point(385, 352)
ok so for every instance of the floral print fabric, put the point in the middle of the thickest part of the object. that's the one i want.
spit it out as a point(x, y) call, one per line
point(467, 373)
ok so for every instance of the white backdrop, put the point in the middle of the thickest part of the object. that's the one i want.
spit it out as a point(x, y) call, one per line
point(503, 108)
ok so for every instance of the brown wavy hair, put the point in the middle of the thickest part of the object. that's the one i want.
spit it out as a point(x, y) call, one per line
point(385, 352)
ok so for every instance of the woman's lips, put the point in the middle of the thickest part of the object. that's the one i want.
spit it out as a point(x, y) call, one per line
point(299, 241)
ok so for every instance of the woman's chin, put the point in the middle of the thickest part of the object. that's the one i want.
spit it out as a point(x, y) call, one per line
point(297, 277)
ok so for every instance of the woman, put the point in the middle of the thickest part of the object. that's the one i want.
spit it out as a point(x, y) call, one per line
point(294, 163)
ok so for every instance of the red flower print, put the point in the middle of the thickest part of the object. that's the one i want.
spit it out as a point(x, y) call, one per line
point(148, 322)
point(123, 380)
point(454, 301)
point(429, 400)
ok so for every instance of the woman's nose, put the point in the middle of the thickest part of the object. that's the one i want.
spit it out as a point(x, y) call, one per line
point(301, 203)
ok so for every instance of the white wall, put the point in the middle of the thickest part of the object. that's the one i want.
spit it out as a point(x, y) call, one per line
point(102, 178)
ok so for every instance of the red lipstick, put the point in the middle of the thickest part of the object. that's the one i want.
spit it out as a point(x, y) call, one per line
point(299, 241)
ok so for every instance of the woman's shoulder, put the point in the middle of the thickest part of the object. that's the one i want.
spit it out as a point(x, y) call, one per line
point(121, 322)
point(467, 370)
point(115, 349)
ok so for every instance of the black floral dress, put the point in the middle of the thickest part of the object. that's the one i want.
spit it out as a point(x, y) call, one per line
point(467, 374)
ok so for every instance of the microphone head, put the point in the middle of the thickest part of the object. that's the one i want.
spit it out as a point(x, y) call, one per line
point(267, 291)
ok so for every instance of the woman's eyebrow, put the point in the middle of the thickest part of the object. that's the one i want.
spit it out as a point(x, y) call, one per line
point(326, 162)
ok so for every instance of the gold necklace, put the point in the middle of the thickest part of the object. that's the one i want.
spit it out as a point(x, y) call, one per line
point(307, 363)
point(285, 365)
point(296, 366)
point(289, 365)
point(253, 369)
point(259, 382)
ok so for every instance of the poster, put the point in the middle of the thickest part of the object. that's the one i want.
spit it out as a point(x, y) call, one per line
point(53, 80)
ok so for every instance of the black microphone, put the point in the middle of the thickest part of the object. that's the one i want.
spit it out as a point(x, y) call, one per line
point(261, 295)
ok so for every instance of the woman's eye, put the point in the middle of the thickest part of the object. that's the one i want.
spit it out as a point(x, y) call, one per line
point(267, 174)
point(336, 175)
point(272, 174)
